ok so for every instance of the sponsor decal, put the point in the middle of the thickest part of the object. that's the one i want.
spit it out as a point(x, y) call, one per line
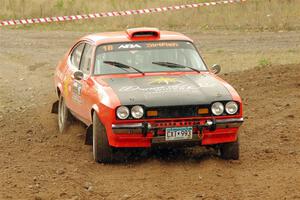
point(162, 44)
point(167, 84)
point(164, 81)
point(144, 45)
point(66, 84)
point(129, 46)
point(159, 89)
point(76, 95)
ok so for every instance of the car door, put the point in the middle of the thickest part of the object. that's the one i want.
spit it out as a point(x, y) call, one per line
point(73, 63)
point(83, 87)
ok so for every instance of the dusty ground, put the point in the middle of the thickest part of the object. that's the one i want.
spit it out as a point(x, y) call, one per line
point(36, 162)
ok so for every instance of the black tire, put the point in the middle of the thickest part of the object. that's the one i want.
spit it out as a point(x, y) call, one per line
point(64, 116)
point(230, 151)
point(102, 151)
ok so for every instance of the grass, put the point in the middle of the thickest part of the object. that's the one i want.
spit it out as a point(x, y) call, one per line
point(264, 62)
point(254, 15)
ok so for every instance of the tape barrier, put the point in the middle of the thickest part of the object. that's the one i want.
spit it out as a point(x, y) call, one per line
point(13, 22)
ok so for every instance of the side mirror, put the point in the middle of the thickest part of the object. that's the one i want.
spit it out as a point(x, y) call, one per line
point(216, 69)
point(78, 75)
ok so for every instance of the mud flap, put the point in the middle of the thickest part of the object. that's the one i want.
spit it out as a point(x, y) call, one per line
point(89, 135)
point(54, 108)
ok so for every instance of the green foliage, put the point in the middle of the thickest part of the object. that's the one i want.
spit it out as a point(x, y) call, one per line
point(219, 51)
point(59, 4)
point(264, 62)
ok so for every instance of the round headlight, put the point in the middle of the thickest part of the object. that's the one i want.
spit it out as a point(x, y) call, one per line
point(122, 112)
point(231, 107)
point(137, 112)
point(217, 108)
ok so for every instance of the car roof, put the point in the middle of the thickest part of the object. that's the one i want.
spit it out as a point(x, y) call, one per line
point(129, 36)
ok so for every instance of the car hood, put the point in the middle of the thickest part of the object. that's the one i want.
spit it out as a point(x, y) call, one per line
point(153, 91)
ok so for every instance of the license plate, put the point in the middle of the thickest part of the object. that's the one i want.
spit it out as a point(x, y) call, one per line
point(179, 133)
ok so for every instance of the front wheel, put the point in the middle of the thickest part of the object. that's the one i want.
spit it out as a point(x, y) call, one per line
point(102, 151)
point(230, 150)
point(64, 115)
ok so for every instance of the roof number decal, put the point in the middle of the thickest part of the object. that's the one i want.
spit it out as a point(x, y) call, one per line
point(108, 48)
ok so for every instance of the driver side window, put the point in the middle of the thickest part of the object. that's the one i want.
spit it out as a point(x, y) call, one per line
point(76, 55)
point(86, 59)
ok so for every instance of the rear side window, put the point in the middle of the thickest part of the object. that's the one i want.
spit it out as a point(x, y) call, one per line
point(76, 55)
point(86, 59)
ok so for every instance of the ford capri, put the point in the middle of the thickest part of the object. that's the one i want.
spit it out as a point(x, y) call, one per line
point(142, 88)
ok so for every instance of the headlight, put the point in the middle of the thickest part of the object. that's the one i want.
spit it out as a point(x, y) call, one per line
point(122, 112)
point(217, 108)
point(137, 112)
point(231, 107)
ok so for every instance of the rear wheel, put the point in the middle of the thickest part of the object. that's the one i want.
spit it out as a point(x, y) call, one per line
point(230, 150)
point(102, 151)
point(64, 115)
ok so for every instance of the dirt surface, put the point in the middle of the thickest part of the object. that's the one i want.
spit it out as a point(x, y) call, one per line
point(36, 162)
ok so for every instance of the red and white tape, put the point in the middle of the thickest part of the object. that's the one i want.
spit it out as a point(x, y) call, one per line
point(112, 14)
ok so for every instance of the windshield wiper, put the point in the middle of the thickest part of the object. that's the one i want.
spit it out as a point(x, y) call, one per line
point(122, 66)
point(174, 65)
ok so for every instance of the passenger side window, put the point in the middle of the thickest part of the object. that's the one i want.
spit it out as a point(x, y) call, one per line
point(76, 55)
point(86, 60)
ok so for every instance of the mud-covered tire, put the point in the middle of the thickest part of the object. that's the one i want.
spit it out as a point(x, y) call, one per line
point(102, 151)
point(64, 115)
point(230, 151)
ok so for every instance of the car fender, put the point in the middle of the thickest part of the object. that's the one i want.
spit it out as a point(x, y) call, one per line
point(59, 89)
point(106, 116)
point(235, 96)
point(95, 108)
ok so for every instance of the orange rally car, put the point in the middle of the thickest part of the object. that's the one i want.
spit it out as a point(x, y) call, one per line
point(144, 87)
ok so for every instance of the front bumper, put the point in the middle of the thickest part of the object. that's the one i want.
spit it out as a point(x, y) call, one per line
point(144, 127)
point(146, 134)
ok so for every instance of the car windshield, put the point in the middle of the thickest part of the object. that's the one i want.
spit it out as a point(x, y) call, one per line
point(143, 57)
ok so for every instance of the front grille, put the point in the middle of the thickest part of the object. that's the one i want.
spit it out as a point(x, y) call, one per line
point(178, 111)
